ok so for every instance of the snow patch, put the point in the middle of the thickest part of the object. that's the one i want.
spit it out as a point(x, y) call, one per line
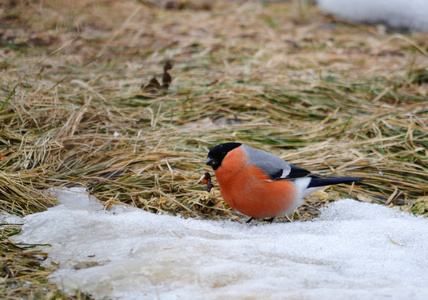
point(408, 14)
point(352, 251)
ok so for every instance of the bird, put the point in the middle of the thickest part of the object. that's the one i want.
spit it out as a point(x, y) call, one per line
point(262, 185)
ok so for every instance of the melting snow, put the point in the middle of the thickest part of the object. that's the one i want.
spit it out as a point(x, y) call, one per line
point(353, 250)
point(410, 14)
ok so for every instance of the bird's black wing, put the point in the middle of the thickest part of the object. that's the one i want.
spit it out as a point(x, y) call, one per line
point(293, 173)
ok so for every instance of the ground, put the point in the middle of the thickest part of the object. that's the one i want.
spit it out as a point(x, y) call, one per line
point(79, 106)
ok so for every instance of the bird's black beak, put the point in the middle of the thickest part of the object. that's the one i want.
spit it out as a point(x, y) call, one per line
point(210, 161)
point(213, 163)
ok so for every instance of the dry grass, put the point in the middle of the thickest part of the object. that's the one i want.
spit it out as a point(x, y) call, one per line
point(331, 96)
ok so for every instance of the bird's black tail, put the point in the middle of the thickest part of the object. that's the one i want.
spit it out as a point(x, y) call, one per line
point(316, 182)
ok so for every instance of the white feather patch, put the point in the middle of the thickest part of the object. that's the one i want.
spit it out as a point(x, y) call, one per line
point(285, 173)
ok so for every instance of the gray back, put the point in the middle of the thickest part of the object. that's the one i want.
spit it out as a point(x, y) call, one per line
point(271, 164)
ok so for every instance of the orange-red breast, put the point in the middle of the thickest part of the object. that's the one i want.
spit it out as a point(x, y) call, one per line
point(260, 184)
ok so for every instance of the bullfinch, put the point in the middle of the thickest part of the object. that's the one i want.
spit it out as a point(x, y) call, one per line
point(260, 184)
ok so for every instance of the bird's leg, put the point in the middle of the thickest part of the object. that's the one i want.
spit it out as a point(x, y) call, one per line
point(270, 220)
point(249, 220)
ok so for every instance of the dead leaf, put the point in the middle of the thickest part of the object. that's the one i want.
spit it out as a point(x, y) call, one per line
point(207, 181)
point(153, 86)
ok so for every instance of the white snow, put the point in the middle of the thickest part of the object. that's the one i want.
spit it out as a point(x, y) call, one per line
point(409, 14)
point(352, 251)
point(6, 218)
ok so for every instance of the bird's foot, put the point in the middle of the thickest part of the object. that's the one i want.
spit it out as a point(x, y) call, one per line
point(270, 220)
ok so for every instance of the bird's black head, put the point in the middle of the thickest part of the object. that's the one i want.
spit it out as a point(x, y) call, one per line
point(217, 153)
